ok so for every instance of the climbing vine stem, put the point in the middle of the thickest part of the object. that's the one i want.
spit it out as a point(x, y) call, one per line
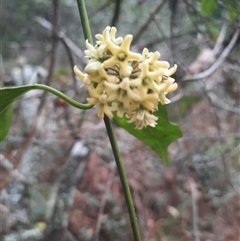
point(112, 137)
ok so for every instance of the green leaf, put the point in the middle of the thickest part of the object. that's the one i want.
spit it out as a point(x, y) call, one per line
point(159, 137)
point(208, 6)
point(9, 94)
point(7, 97)
point(5, 122)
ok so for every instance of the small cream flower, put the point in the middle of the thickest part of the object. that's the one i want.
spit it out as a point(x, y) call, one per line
point(125, 82)
point(118, 106)
point(142, 118)
point(121, 55)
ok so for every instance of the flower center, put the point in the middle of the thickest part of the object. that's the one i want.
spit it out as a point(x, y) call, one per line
point(122, 56)
point(145, 81)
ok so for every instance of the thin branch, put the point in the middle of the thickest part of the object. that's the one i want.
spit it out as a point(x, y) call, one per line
point(218, 128)
point(220, 104)
point(209, 138)
point(69, 123)
point(177, 97)
point(180, 61)
point(193, 190)
point(196, 18)
point(69, 45)
point(149, 20)
point(56, 4)
point(100, 9)
point(32, 128)
point(214, 99)
point(218, 46)
point(116, 13)
point(232, 67)
point(104, 199)
point(151, 42)
point(74, 48)
point(173, 5)
point(70, 175)
point(219, 61)
point(72, 64)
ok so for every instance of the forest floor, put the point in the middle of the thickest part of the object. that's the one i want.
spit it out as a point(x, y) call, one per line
point(195, 198)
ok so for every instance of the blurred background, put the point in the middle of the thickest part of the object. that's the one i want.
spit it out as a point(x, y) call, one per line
point(58, 178)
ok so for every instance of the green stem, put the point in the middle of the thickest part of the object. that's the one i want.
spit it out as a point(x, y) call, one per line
point(84, 20)
point(51, 90)
point(123, 178)
point(63, 97)
point(112, 137)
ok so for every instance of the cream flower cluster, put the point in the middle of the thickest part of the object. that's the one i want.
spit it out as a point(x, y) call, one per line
point(125, 82)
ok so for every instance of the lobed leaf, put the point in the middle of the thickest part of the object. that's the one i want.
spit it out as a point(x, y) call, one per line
point(7, 97)
point(159, 137)
point(9, 94)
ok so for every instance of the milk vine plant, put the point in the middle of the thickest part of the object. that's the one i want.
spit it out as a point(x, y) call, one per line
point(125, 82)
point(129, 87)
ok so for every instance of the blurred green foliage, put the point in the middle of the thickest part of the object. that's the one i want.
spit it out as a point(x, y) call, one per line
point(185, 104)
